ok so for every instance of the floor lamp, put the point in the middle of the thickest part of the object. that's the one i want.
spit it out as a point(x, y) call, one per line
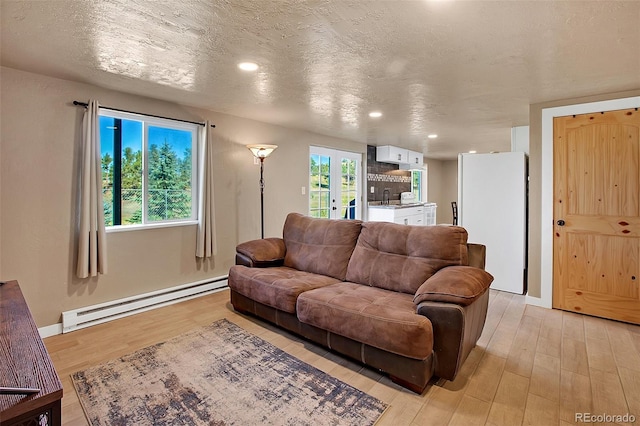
point(261, 152)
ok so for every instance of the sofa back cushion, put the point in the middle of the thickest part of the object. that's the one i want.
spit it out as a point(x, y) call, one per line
point(401, 258)
point(321, 246)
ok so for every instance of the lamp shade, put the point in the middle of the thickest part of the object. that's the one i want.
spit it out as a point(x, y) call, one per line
point(262, 151)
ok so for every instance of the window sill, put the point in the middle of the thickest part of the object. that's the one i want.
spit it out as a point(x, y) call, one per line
point(126, 228)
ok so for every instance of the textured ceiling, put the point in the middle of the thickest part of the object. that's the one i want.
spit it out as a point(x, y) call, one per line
point(466, 70)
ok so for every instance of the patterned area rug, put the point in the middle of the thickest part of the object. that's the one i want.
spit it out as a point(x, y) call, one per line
point(219, 375)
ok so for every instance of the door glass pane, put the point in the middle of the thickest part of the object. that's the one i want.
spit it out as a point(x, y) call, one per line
point(319, 185)
point(348, 189)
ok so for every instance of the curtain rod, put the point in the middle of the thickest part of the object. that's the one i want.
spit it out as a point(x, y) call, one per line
point(84, 105)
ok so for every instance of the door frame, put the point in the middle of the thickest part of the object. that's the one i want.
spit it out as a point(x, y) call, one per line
point(334, 153)
point(546, 173)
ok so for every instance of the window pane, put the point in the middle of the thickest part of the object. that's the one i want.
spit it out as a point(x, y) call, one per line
point(131, 166)
point(170, 174)
point(121, 151)
point(106, 147)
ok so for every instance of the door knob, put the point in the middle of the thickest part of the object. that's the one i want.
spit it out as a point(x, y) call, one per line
point(560, 222)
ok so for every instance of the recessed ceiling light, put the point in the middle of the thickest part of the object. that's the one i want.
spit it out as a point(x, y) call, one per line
point(472, 152)
point(432, 136)
point(375, 114)
point(248, 66)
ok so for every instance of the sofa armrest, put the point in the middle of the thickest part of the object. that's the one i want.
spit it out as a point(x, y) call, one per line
point(477, 254)
point(456, 330)
point(454, 284)
point(262, 253)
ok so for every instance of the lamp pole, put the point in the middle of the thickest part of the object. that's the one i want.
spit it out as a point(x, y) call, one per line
point(262, 195)
point(261, 152)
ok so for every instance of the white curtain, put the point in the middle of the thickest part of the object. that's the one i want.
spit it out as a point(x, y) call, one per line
point(92, 243)
point(206, 246)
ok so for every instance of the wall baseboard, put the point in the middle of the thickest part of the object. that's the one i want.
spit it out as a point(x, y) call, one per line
point(50, 330)
point(97, 314)
point(537, 301)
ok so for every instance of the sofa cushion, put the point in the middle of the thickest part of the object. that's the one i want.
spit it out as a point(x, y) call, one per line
point(384, 319)
point(277, 287)
point(321, 246)
point(400, 257)
point(457, 284)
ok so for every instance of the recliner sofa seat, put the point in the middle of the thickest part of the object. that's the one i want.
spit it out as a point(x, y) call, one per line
point(402, 299)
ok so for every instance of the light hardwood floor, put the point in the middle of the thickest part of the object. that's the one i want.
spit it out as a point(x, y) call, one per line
point(531, 366)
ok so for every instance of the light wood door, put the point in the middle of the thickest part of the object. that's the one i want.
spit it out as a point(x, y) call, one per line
point(597, 214)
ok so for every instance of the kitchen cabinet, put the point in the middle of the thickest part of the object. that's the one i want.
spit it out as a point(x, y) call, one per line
point(403, 215)
point(415, 160)
point(430, 214)
point(408, 160)
point(392, 154)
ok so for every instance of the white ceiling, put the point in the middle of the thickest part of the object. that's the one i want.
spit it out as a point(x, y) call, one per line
point(466, 70)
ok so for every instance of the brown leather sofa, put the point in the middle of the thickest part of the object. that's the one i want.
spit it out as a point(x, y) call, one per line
point(410, 301)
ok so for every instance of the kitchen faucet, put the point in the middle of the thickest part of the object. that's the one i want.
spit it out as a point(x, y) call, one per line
point(385, 196)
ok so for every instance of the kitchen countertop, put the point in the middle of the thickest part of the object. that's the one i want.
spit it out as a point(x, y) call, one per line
point(394, 206)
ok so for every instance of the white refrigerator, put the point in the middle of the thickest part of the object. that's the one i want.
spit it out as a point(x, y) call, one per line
point(492, 207)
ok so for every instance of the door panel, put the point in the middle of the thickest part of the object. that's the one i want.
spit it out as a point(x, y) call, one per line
point(597, 214)
point(602, 170)
point(589, 271)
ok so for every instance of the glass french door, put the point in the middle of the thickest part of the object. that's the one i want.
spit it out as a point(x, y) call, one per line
point(334, 184)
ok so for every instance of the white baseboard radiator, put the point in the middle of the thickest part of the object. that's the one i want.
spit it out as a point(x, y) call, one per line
point(103, 312)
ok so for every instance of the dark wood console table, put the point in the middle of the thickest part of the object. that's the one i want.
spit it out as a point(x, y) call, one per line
point(25, 363)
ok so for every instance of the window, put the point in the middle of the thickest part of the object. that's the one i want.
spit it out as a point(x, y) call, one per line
point(148, 169)
point(416, 184)
point(419, 184)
